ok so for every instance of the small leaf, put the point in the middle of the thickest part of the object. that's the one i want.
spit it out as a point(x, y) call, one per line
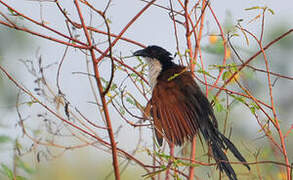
point(30, 103)
point(20, 178)
point(271, 11)
point(122, 111)
point(179, 54)
point(219, 107)
point(204, 72)
point(252, 8)
point(245, 36)
point(226, 75)
point(108, 20)
point(128, 99)
point(113, 87)
point(4, 139)
point(255, 105)
point(179, 163)
point(133, 75)
point(7, 171)
point(163, 155)
point(152, 174)
point(252, 109)
point(238, 98)
point(176, 75)
point(12, 12)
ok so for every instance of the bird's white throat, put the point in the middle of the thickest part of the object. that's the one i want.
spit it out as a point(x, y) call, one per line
point(155, 68)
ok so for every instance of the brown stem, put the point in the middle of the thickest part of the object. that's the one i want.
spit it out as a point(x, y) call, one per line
point(192, 157)
point(171, 146)
point(275, 120)
point(102, 96)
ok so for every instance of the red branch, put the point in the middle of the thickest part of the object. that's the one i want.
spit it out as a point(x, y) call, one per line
point(102, 96)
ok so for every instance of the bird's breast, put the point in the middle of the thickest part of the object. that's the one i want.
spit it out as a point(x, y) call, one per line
point(155, 69)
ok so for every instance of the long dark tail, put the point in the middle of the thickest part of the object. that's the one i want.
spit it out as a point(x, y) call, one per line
point(206, 122)
point(218, 142)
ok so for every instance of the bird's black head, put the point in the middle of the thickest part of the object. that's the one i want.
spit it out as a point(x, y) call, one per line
point(155, 52)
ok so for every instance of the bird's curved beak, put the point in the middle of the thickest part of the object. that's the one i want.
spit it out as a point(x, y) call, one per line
point(140, 53)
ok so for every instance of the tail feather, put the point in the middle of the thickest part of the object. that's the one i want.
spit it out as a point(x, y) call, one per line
point(218, 142)
point(222, 160)
point(234, 150)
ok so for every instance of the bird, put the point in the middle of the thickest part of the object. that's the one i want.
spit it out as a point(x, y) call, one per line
point(180, 110)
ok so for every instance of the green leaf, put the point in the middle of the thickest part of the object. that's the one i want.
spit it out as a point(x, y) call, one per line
point(133, 75)
point(128, 99)
point(163, 155)
point(4, 139)
point(258, 7)
point(108, 20)
point(152, 174)
point(122, 111)
point(233, 67)
point(226, 75)
point(113, 87)
point(204, 72)
point(252, 8)
point(238, 98)
point(7, 171)
point(176, 75)
point(271, 11)
point(20, 178)
point(253, 107)
point(12, 12)
point(219, 107)
point(30, 103)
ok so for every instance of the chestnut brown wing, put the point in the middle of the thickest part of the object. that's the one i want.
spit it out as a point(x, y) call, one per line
point(175, 107)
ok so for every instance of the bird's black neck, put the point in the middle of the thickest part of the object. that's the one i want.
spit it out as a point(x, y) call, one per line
point(167, 65)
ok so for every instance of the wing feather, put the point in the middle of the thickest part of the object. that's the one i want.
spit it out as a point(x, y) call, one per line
point(180, 130)
point(183, 122)
point(165, 125)
point(178, 116)
point(157, 126)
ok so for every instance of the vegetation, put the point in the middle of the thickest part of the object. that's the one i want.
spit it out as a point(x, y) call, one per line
point(77, 108)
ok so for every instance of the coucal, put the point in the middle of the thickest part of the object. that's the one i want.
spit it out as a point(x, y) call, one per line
point(180, 110)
